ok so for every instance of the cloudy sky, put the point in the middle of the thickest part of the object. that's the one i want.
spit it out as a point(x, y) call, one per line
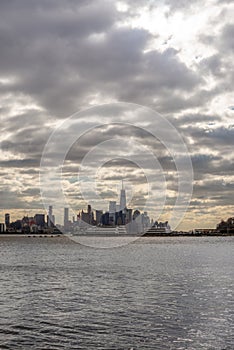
point(173, 56)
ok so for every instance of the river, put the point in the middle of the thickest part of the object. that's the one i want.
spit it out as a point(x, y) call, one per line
point(156, 293)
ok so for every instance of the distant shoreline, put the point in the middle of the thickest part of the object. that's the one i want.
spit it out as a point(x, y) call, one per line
point(13, 235)
point(51, 235)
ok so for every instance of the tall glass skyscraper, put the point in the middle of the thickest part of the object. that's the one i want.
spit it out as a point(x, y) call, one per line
point(122, 199)
point(66, 217)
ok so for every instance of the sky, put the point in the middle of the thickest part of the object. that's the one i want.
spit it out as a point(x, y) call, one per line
point(61, 57)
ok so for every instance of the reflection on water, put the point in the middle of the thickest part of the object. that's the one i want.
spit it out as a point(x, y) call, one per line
point(158, 293)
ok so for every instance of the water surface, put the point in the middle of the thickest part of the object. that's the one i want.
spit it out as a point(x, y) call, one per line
point(157, 293)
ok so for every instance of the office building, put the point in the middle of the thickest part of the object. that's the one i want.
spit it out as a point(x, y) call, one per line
point(39, 220)
point(128, 214)
point(99, 214)
point(66, 218)
point(105, 219)
point(7, 220)
point(119, 218)
point(112, 211)
point(122, 199)
point(50, 217)
point(88, 216)
point(2, 228)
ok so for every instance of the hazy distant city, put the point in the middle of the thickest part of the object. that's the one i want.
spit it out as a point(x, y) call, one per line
point(126, 220)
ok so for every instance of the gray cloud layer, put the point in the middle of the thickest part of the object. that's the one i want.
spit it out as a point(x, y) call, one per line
point(58, 57)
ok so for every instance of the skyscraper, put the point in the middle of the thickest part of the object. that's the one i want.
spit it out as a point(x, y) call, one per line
point(112, 210)
point(7, 220)
point(122, 199)
point(99, 214)
point(88, 217)
point(50, 217)
point(66, 217)
point(112, 206)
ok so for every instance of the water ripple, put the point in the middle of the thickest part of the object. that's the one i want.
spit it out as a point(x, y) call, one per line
point(172, 294)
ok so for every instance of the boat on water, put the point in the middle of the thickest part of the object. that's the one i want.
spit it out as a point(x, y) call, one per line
point(158, 231)
point(101, 231)
point(124, 230)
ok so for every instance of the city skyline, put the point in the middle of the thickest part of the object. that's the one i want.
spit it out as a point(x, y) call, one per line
point(118, 214)
point(92, 216)
point(174, 57)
